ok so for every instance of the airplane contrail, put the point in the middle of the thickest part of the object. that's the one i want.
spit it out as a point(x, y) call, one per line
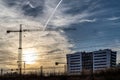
point(52, 15)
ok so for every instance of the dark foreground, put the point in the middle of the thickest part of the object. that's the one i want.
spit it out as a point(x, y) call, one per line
point(112, 74)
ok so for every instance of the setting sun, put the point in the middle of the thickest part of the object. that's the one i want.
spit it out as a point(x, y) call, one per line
point(29, 56)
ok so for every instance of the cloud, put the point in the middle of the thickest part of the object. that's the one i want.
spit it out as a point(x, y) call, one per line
point(68, 13)
point(12, 14)
point(113, 18)
point(87, 20)
point(33, 14)
point(67, 19)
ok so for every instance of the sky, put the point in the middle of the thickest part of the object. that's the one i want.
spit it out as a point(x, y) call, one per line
point(96, 23)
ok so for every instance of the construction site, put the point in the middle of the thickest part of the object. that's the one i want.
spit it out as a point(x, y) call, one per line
point(59, 40)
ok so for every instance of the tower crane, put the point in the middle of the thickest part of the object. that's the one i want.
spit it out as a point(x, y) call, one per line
point(30, 30)
point(20, 31)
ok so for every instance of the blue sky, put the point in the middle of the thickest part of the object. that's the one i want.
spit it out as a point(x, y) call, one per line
point(99, 28)
point(97, 24)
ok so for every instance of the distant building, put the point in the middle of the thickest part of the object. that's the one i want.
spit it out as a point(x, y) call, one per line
point(86, 61)
point(104, 59)
point(74, 62)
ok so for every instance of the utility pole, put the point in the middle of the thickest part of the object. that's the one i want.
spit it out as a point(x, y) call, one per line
point(24, 67)
point(41, 71)
point(1, 72)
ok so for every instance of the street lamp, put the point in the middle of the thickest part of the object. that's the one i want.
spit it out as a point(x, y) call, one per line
point(65, 67)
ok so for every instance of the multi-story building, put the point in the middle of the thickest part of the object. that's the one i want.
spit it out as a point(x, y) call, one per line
point(87, 61)
point(74, 62)
point(103, 59)
point(97, 60)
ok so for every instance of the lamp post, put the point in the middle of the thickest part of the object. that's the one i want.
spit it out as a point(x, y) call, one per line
point(1, 72)
point(65, 67)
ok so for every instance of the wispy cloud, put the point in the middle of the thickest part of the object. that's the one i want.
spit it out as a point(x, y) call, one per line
point(34, 13)
point(87, 20)
point(12, 16)
point(113, 18)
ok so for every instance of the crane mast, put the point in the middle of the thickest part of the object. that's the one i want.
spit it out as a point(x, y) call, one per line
point(19, 49)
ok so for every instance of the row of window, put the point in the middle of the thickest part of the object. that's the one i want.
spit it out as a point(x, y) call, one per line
point(97, 53)
point(114, 53)
point(99, 64)
point(113, 57)
point(75, 66)
point(113, 60)
point(99, 61)
point(75, 69)
point(74, 55)
point(74, 61)
point(99, 67)
point(99, 58)
point(75, 58)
